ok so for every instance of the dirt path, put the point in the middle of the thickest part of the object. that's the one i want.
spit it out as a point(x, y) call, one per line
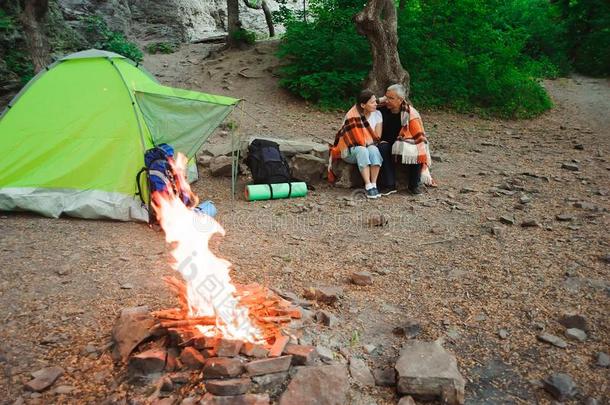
point(437, 262)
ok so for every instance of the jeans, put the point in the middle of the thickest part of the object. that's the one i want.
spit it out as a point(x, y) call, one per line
point(364, 156)
point(387, 175)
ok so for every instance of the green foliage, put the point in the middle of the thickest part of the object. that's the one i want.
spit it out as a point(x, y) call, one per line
point(461, 58)
point(327, 58)
point(588, 23)
point(244, 36)
point(20, 64)
point(470, 55)
point(162, 47)
point(113, 41)
point(6, 22)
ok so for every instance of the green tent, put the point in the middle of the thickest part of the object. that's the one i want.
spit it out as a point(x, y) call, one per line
point(73, 140)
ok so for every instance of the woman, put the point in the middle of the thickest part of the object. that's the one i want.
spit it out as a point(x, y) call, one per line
point(355, 141)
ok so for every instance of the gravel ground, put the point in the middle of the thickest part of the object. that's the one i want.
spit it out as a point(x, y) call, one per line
point(64, 281)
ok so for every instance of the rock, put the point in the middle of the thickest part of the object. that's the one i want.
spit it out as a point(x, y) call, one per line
point(496, 231)
point(327, 319)
point(560, 386)
point(602, 359)
point(377, 220)
point(362, 278)
point(221, 166)
point(408, 400)
point(131, 328)
point(410, 329)
point(508, 219)
point(361, 372)
point(576, 334)
point(326, 295)
point(347, 175)
point(325, 353)
point(503, 334)
point(564, 217)
point(320, 385)
point(204, 160)
point(221, 367)
point(586, 206)
point(570, 166)
point(44, 378)
point(254, 350)
point(267, 366)
point(530, 223)
point(64, 390)
point(554, 340)
point(525, 199)
point(127, 286)
point(236, 386)
point(247, 399)
point(574, 321)
point(228, 347)
point(370, 349)
point(192, 358)
point(308, 168)
point(270, 383)
point(427, 369)
point(385, 377)
point(579, 146)
point(302, 355)
point(291, 147)
point(466, 190)
point(148, 362)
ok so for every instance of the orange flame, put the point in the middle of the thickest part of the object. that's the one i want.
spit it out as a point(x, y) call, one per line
point(209, 291)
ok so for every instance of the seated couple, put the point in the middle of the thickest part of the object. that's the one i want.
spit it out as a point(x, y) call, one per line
point(375, 138)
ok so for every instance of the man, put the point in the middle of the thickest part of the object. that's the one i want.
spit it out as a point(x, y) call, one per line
point(392, 112)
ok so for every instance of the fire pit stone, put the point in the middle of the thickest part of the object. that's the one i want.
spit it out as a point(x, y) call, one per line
point(302, 355)
point(234, 386)
point(267, 366)
point(148, 362)
point(228, 347)
point(246, 399)
point(254, 350)
point(192, 358)
point(220, 367)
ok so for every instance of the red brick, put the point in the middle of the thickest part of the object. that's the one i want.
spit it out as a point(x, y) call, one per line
point(191, 358)
point(235, 386)
point(228, 347)
point(254, 350)
point(219, 367)
point(301, 355)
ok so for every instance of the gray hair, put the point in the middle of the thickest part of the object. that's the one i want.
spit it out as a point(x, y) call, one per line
point(399, 89)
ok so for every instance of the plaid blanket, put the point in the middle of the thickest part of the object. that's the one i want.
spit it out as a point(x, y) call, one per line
point(355, 131)
point(411, 146)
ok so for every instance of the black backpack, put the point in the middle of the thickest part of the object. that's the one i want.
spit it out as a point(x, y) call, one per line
point(267, 164)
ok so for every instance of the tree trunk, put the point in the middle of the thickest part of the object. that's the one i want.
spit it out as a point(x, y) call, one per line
point(268, 18)
point(378, 22)
point(33, 18)
point(233, 24)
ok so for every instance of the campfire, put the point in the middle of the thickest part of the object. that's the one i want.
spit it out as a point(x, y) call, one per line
point(211, 306)
point(225, 332)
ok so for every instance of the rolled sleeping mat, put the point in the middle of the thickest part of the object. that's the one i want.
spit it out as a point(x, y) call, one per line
point(257, 192)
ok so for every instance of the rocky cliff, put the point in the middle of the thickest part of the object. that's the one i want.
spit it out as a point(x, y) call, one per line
point(169, 20)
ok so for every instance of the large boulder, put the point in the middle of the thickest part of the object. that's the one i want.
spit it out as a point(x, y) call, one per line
point(308, 167)
point(321, 385)
point(426, 369)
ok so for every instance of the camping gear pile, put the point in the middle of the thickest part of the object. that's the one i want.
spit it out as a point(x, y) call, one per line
point(271, 173)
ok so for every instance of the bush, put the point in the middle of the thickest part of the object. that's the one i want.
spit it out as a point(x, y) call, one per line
point(244, 36)
point(327, 59)
point(108, 40)
point(588, 25)
point(161, 47)
point(468, 55)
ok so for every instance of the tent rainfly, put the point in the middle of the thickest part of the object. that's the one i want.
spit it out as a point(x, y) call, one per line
point(73, 139)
